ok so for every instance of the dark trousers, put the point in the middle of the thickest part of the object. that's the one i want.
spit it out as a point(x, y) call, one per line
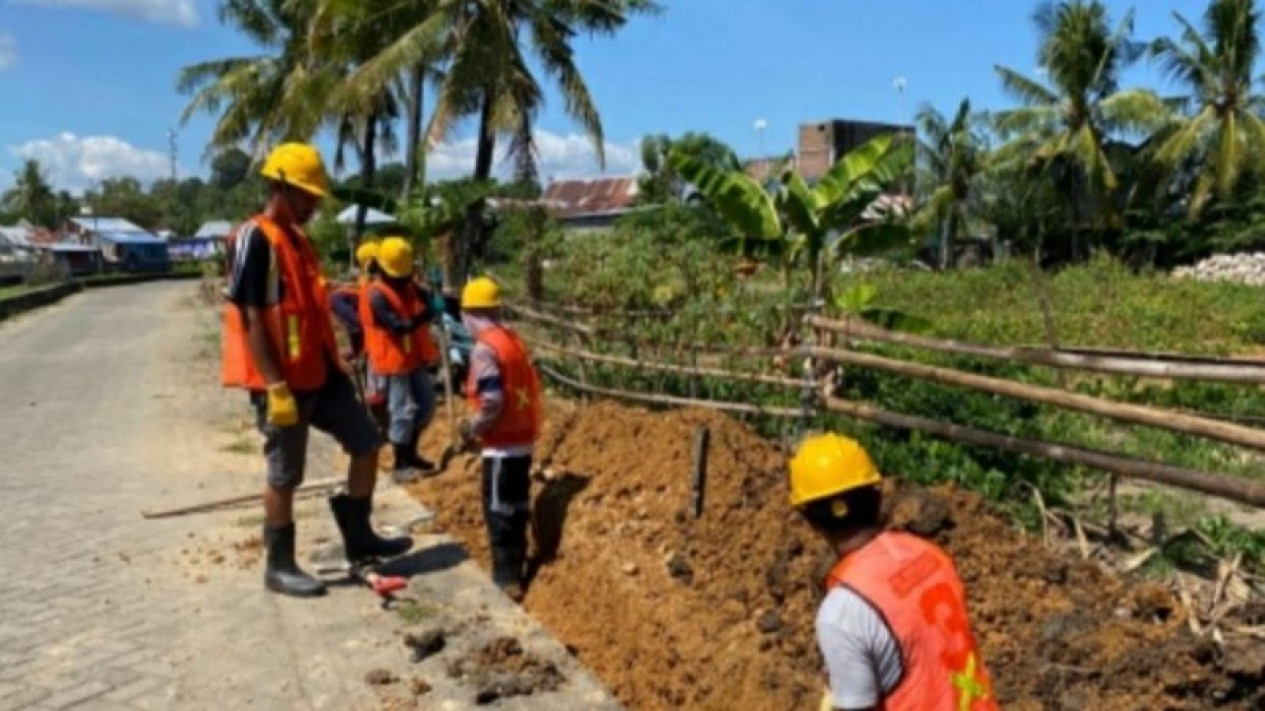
point(506, 509)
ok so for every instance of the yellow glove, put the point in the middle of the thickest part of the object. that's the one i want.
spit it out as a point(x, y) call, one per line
point(283, 411)
point(827, 702)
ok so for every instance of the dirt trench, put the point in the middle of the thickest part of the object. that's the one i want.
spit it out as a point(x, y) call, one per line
point(673, 611)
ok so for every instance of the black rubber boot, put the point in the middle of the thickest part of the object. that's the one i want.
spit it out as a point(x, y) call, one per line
point(282, 574)
point(507, 571)
point(403, 471)
point(359, 540)
point(417, 461)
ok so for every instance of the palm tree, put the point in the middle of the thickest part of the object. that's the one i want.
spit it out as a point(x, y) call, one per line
point(952, 156)
point(259, 98)
point(31, 196)
point(487, 48)
point(1063, 127)
point(1224, 139)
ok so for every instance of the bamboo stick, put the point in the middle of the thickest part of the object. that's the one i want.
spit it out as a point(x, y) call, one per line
point(1195, 369)
point(1138, 414)
point(1235, 489)
point(670, 399)
point(666, 367)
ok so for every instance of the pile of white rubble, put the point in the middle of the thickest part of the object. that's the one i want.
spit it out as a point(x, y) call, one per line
point(1245, 268)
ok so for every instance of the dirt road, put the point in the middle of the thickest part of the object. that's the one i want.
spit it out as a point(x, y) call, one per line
point(110, 406)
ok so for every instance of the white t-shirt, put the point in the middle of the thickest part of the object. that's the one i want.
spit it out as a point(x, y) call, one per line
point(862, 657)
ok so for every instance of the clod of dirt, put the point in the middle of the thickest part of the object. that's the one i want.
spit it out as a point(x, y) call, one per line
point(502, 669)
point(919, 511)
point(426, 644)
point(770, 622)
point(380, 677)
point(630, 569)
point(1245, 662)
point(679, 568)
point(419, 686)
point(1153, 603)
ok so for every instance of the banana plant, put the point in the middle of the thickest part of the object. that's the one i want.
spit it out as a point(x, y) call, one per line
point(818, 224)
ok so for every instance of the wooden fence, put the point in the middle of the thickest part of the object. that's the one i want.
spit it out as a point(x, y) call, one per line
point(570, 340)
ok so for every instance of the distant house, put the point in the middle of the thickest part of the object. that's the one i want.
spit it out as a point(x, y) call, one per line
point(207, 243)
point(591, 205)
point(123, 244)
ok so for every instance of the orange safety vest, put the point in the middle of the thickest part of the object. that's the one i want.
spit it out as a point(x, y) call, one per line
point(521, 417)
point(390, 353)
point(916, 589)
point(299, 326)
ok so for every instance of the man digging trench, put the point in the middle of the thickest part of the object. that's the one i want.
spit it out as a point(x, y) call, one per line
point(279, 345)
point(893, 629)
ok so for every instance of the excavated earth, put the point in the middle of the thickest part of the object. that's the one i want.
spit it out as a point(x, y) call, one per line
point(716, 612)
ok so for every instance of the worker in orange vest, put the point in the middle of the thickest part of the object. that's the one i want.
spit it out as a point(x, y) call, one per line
point(893, 628)
point(279, 345)
point(401, 351)
point(507, 408)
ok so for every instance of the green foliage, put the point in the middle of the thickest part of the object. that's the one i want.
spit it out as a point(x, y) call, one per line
point(32, 197)
point(661, 183)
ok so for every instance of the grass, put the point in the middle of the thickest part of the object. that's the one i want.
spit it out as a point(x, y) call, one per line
point(1101, 303)
point(242, 445)
point(414, 612)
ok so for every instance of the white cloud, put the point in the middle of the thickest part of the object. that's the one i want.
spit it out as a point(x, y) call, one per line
point(8, 51)
point(569, 156)
point(74, 163)
point(163, 12)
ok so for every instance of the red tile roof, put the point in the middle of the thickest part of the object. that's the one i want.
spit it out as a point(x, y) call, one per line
point(578, 198)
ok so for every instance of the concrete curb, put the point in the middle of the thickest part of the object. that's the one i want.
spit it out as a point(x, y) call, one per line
point(21, 303)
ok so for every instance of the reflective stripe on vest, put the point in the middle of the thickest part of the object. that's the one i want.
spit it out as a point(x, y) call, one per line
point(523, 408)
point(915, 587)
point(298, 326)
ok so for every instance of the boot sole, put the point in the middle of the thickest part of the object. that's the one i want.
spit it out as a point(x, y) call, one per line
point(290, 592)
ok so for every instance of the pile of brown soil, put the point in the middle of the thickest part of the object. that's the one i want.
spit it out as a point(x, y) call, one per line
point(717, 612)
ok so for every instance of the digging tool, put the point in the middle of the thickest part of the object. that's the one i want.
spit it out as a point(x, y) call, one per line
point(454, 446)
point(305, 489)
point(384, 586)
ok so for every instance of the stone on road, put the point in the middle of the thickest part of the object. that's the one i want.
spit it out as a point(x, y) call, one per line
point(112, 406)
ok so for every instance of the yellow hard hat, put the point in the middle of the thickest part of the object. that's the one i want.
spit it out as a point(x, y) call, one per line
point(297, 164)
point(481, 293)
point(829, 464)
point(395, 256)
point(366, 252)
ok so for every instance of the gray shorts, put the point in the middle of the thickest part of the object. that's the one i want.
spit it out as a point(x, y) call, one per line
point(333, 410)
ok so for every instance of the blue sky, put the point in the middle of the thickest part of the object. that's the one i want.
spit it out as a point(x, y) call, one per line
point(89, 84)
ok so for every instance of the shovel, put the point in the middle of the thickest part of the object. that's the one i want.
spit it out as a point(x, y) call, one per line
point(454, 446)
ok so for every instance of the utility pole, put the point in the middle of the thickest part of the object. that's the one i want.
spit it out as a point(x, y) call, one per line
point(900, 85)
point(760, 125)
point(171, 142)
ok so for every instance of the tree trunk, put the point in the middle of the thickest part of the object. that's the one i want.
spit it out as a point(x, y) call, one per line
point(367, 168)
point(415, 150)
point(472, 232)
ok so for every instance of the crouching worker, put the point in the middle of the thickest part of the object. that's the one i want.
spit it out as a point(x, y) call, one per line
point(400, 348)
point(893, 628)
point(505, 398)
point(279, 345)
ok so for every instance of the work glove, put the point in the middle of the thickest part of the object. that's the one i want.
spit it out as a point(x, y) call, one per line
point(827, 702)
point(283, 410)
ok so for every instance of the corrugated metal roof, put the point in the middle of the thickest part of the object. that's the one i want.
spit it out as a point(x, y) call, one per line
point(600, 196)
point(215, 228)
point(15, 236)
point(106, 224)
point(130, 238)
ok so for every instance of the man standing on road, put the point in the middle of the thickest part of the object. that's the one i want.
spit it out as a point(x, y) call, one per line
point(893, 628)
point(504, 393)
point(279, 345)
point(401, 351)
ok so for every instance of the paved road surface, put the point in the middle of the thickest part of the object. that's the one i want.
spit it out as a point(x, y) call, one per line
point(108, 405)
